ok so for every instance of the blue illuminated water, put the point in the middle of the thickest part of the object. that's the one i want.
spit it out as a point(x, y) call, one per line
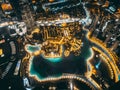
point(55, 67)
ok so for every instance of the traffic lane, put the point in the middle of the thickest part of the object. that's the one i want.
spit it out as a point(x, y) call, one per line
point(8, 51)
point(5, 52)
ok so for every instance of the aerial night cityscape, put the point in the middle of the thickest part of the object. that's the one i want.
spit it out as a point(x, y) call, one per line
point(59, 44)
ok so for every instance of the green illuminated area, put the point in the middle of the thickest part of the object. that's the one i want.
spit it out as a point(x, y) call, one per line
point(67, 47)
point(90, 51)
